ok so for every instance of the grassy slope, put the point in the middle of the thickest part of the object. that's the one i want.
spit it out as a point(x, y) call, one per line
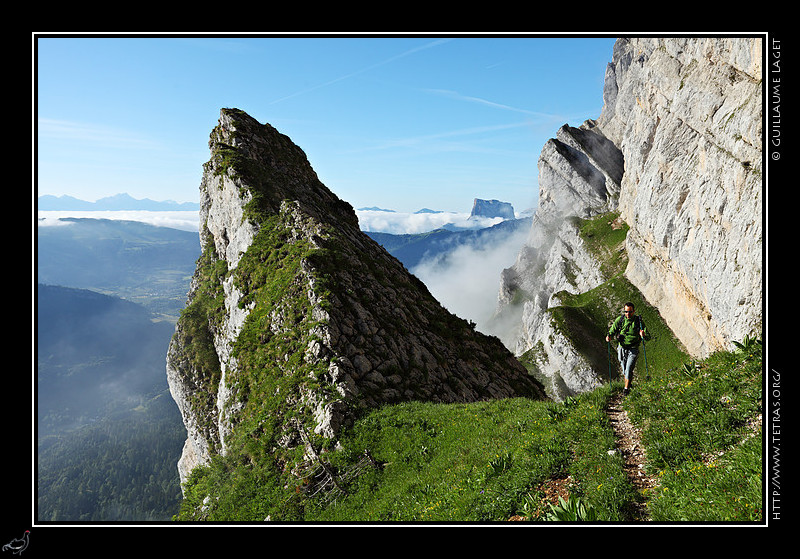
point(480, 462)
point(490, 461)
point(586, 317)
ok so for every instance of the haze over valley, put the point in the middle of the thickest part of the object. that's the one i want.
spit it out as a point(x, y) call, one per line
point(111, 284)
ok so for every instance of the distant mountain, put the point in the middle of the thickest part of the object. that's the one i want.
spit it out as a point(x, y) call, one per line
point(118, 202)
point(94, 353)
point(492, 208)
point(375, 209)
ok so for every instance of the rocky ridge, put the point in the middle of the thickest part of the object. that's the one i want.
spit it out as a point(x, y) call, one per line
point(296, 319)
point(676, 156)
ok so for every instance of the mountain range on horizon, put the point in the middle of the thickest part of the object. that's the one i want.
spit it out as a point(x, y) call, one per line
point(116, 202)
point(124, 201)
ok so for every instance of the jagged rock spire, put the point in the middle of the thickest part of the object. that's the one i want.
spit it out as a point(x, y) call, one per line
point(295, 312)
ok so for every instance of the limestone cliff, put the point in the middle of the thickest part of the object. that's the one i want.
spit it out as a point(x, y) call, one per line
point(675, 157)
point(687, 114)
point(296, 319)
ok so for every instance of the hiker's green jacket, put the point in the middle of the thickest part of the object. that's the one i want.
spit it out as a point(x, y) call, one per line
point(627, 330)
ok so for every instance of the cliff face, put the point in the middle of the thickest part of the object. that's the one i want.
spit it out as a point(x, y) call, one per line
point(579, 178)
point(296, 319)
point(675, 156)
point(687, 115)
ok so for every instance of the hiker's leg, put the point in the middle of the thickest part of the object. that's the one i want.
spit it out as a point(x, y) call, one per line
point(627, 359)
point(632, 356)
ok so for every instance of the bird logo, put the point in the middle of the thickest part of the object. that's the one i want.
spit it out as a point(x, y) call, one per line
point(18, 545)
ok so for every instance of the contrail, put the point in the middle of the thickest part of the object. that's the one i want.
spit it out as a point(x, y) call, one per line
point(366, 69)
point(468, 98)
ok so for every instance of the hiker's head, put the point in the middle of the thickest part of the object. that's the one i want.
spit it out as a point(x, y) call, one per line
point(627, 310)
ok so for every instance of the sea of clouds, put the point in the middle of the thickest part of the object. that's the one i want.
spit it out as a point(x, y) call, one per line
point(400, 223)
point(184, 220)
point(374, 221)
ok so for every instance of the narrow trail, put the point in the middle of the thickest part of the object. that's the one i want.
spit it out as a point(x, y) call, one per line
point(630, 447)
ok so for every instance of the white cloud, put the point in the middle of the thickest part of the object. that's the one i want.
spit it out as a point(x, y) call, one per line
point(186, 221)
point(467, 280)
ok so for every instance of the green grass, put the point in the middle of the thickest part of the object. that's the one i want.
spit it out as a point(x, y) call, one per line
point(479, 462)
point(491, 461)
point(703, 440)
point(488, 462)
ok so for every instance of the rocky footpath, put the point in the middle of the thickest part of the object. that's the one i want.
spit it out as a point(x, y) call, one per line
point(676, 153)
point(296, 319)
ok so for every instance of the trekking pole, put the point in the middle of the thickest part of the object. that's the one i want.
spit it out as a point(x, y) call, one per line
point(609, 361)
point(644, 349)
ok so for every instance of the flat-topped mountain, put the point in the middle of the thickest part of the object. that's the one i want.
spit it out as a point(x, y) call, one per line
point(492, 208)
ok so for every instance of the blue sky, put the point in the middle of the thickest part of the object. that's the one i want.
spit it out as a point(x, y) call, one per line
point(398, 123)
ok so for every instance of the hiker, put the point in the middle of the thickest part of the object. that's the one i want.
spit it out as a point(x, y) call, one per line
point(629, 330)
